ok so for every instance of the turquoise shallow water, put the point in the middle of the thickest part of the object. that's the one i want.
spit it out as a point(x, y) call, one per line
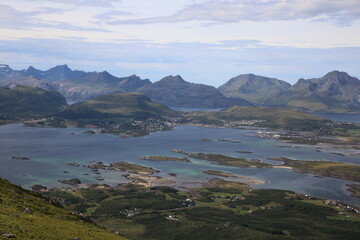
point(51, 149)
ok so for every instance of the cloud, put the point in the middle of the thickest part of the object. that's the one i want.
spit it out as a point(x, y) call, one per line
point(71, 27)
point(87, 3)
point(11, 18)
point(341, 12)
point(110, 16)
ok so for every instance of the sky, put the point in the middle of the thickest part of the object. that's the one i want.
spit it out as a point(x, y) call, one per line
point(204, 41)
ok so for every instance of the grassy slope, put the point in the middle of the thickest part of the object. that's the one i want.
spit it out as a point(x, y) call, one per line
point(117, 105)
point(45, 221)
point(23, 100)
point(275, 117)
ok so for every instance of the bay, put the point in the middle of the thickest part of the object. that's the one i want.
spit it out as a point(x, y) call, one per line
point(51, 150)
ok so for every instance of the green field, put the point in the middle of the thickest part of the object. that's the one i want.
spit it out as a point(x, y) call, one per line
point(219, 210)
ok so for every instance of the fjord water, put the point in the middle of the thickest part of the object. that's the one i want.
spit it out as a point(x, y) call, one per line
point(50, 149)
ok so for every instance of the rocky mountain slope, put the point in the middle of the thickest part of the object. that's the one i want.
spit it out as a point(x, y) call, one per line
point(72, 84)
point(255, 89)
point(334, 92)
point(78, 85)
point(175, 91)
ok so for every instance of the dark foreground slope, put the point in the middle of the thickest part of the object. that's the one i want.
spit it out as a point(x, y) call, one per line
point(22, 100)
point(25, 215)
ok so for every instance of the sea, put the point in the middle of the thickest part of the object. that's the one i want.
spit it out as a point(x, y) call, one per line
point(51, 149)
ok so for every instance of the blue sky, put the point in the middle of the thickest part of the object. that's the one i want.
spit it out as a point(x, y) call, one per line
point(205, 41)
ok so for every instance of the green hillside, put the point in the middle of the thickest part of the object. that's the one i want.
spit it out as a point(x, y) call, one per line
point(126, 105)
point(283, 118)
point(23, 100)
point(26, 215)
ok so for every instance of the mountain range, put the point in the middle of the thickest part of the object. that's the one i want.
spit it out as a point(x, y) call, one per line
point(334, 92)
point(77, 85)
point(175, 91)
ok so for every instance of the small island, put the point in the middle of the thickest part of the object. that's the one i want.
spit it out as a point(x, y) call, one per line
point(89, 132)
point(74, 164)
point(231, 175)
point(73, 181)
point(227, 160)
point(206, 139)
point(228, 140)
point(354, 189)
point(164, 158)
point(124, 167)
point(20, 158)
point(339, 170)
point(243, 151)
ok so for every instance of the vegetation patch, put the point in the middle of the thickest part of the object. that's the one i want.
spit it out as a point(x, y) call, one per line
point(324, 168)
point(164, 158)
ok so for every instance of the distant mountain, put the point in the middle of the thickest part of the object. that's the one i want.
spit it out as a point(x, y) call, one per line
point(23, 100)
point(253, 88)
point(29, 81)
point(76, 86)
point(61, 72)
point(334, 92)
point(53, 74)
point(132, 83)
point(73, 85)
point(126, 105)
point(175, 91)
point(93, 84)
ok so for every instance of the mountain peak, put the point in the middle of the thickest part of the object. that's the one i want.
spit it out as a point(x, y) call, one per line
point(173, 79)
point(60, 69)
point(253, 88)
point(30, 68)
point(336, 75)
point(4, 66)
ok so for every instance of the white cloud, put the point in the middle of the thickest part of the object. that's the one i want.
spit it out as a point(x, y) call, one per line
point(342, 12)
point(10, 17)
point(87, 3)
point(111, 15)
